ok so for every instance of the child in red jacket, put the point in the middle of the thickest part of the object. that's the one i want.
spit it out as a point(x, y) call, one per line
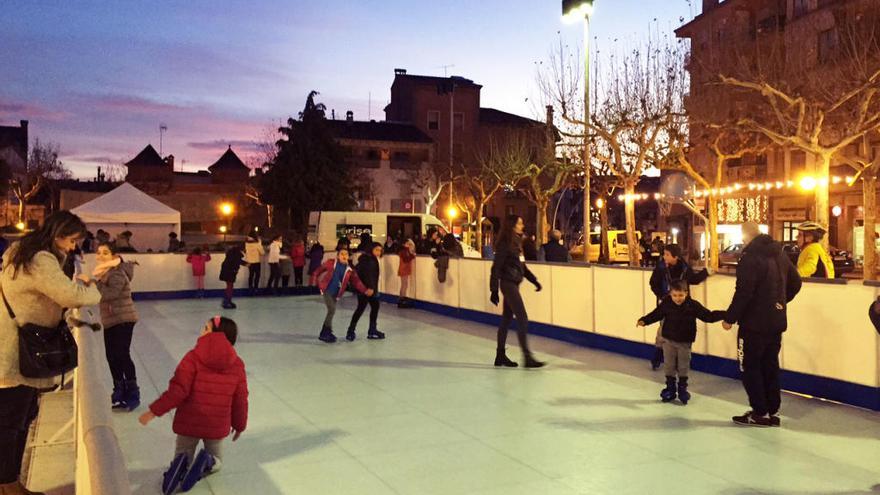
point(209, 391)
point(198, 259)
point(332, 278)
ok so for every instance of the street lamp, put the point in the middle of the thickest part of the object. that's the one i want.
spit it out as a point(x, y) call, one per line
point(573, 11)
point(20, 226)
point(451, 213)
point(223, 230)
point(226, 209)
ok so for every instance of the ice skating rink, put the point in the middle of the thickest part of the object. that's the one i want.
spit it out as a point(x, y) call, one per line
point(425, 412)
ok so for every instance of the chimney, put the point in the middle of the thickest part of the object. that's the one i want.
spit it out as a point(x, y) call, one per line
point(399, 72)
point(349, 116)
point(549, 114)
point(170, 161)
point(333, 114)
point(709, 5)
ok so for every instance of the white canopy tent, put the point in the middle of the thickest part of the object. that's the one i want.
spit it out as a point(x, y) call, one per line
point(129, 208)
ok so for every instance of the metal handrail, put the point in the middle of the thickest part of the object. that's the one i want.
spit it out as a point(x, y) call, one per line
point(100, 463)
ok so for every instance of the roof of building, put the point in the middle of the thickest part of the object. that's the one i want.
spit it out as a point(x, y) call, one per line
point(686, 31)
point(15, 137)
point(378, 131)
point(493, 116)
point(87, 186)
point(148, 157)
point(200, 177)
point(436, 80)
point(229, 161)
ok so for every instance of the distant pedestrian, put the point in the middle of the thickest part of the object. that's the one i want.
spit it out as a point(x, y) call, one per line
point(298, 259)
point(274, 260)
point(391, 246)
point(507, 273)
point(210, 394)
point(173, 243)
point(332, 279)
point(286, 271)
point(679, 314)
point(197, 259)
point(530, 248)
point(88, 243)
point(233, 261)
point(118, 315)
point(368, 272)
point(554, 251)
point(316, 257)
point(123, 242)
point(452, 246)
point(254, 251)
point(407, 256)
point(766, 282)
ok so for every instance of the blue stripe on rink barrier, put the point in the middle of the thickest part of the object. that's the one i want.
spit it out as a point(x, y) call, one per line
point(816, 386)
point(217, 293)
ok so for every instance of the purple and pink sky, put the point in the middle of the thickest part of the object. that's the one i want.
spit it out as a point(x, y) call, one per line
point(99, 77)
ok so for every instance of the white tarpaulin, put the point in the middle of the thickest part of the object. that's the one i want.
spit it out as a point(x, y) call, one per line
point(129, 208)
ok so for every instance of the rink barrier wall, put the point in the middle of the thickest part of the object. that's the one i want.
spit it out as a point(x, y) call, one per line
point(830, 350)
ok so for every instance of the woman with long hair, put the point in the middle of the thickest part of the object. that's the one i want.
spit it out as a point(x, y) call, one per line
point(36, 289)
point(508, 272)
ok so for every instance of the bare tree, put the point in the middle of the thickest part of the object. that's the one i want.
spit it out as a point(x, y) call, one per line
point(823, 104)
point(427, 185)
point(635, 96)
point(43, 167)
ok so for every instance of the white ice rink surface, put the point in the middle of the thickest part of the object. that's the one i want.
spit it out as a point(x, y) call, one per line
point(425, 412)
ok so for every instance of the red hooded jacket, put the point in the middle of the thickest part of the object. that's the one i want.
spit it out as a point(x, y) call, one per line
point(298, 255)
point(324, 274)
point(209, 390)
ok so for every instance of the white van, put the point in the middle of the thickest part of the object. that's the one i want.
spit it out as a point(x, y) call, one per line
point(328, 226)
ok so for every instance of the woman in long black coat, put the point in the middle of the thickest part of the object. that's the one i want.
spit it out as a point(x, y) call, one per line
point(229, 271)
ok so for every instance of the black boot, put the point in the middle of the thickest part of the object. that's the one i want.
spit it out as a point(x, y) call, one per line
point(116, 398)
point(327, 335)
point(350, 335)
point(657, 360)
point(132, 395)
point(683, 395)
point(501, 359)
point(668, 393)
point(374, 334)
point(531, 362)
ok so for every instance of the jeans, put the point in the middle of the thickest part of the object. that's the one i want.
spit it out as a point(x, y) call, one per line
point(188, 445)
point(676, 358)
point(513, 306)
point(254, 276)
point(117, 345)
point(759, 363)
point(330, 302)
point(362, 305)
point(274, 276)
point(18, 408)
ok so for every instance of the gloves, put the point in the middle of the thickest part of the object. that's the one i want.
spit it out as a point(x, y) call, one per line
point(494, 298)
point(538, 286)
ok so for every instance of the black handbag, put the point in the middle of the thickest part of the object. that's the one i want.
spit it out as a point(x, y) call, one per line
point(44, 352)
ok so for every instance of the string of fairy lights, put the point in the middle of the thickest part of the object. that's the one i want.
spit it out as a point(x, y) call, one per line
point(807, 183)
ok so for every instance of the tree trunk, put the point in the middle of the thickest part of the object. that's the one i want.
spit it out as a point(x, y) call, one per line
point(479, 229)
point(712, 233)
point(630, 208)
point(21, 209)
point(823, 172)
point(869, 199)
point(604, 248)
point(541, 233)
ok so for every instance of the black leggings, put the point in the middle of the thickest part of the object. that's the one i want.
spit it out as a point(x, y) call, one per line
point(274, 276)
point(362, 305)
point(254, 276)
point(760, 370)
point(18, 408)
point(117, 347)
point(298, 276)
point(513, 306)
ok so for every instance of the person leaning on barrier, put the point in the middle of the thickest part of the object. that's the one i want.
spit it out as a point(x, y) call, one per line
point(36, 289)
point(554, 251)
point(813, 261)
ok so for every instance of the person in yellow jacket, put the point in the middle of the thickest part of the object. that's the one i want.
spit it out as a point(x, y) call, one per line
point(813, 261)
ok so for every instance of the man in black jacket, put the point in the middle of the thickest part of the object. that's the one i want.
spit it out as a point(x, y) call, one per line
point(554, 251)
point(766, 281)
point(368, 271)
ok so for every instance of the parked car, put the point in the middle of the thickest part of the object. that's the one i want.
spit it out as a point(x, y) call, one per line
point(842, 260)
point(616, 243)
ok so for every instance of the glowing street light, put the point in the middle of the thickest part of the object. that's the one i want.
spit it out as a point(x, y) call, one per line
point(600, 203)
point(226, 209)
point(808, 183)
point(573, 11)
point(20, 226)
point(223, 231)
point(836, 211)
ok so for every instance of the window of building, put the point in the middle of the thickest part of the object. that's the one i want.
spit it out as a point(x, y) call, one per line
point(458, 121)
point(433, 120)
point(790, 231)
point(827, 45)
point(801, 7)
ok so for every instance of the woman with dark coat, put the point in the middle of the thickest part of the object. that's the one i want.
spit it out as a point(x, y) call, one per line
point(507, 273)
point(229, 271)
point(368, 271)
point(316, 257)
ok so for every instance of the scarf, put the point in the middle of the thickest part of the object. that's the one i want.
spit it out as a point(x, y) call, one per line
point(105, 267)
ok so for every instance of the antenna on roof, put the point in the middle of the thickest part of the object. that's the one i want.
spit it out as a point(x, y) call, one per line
point(162, 129)
point(446, 69)
point(369, 105)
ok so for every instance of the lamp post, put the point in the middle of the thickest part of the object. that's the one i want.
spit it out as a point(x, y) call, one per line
point(451, 213)
point(226, 209)
point(572, 11)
